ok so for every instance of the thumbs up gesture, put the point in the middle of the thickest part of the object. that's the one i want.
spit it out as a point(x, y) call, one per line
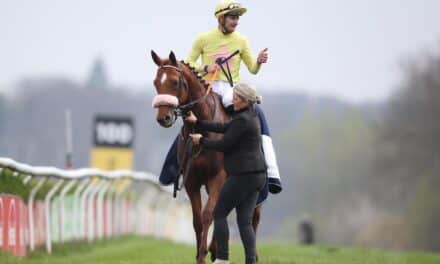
point(262, 56)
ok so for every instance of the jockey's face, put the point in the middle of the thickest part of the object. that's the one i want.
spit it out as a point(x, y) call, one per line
point(229, 22)
point(239, 102)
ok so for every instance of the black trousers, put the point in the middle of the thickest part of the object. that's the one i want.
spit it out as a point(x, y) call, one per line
point(239, 192)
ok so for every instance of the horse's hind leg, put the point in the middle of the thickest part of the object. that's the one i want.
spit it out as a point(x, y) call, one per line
point(256, 221)
point(196, 205)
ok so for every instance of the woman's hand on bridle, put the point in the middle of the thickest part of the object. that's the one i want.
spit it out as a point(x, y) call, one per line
point(191, 118)
point(196, 138)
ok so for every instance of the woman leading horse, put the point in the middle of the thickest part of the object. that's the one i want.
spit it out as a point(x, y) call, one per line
point(245, 165)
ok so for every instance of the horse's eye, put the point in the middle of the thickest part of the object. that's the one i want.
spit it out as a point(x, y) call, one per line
point(175, 84)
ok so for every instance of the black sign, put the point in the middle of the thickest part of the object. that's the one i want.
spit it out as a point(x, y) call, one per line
point(111, 131)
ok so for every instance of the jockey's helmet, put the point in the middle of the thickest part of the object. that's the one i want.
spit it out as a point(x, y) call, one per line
point(229, 6)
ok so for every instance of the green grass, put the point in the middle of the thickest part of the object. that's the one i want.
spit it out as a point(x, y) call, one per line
point(133, 250)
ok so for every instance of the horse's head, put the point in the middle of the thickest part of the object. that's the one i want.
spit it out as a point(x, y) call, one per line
point(171, 87)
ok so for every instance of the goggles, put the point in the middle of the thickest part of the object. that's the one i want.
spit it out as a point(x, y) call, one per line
point(229, 7)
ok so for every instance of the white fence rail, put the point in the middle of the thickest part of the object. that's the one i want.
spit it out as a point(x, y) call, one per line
point(88, 204)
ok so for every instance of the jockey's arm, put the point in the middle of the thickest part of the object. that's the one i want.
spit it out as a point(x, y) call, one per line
point(249, 60)
point(195, 53)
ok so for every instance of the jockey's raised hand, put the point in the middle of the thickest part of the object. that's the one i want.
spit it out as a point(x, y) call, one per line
point(263, 56)
point(191, 118)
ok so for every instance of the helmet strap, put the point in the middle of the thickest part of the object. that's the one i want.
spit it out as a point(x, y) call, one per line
point(222, 24)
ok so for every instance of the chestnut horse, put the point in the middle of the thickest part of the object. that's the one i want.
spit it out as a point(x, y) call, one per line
point(180, 87)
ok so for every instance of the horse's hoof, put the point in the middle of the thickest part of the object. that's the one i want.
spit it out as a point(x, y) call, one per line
point(201, 261)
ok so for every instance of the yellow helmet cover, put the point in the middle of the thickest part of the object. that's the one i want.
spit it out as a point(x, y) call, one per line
point(228, 6)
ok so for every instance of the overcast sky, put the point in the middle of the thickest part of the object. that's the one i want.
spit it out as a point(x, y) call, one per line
point(350, 49)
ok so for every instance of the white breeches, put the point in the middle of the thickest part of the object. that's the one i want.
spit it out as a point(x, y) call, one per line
point(225, 91)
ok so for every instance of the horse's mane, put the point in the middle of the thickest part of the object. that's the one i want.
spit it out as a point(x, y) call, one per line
point(204, 83)
point(196, 73)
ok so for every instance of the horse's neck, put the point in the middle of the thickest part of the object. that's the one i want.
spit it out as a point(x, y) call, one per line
point(205, 109)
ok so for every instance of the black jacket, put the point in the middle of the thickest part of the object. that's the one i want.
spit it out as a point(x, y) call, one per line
point(241, 143)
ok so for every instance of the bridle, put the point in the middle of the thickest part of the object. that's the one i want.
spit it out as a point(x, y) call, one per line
point(182, 110)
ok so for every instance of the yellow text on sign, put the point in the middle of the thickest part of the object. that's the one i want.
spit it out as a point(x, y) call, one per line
point(110, 158)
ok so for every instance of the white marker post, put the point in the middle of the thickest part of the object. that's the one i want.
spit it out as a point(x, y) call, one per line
point(69, 146)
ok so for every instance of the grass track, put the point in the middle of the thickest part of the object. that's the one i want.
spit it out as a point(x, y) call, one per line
point(137, 250)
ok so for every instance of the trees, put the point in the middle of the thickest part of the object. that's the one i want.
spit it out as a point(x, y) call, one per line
point(409, 150)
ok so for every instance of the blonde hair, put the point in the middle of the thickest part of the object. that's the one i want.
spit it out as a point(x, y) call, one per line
point(248, 92)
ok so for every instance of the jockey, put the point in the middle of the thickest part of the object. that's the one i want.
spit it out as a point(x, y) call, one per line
point(220, 43)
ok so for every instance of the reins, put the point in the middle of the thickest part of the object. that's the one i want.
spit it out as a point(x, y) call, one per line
point(183, 109)
point(188, 157)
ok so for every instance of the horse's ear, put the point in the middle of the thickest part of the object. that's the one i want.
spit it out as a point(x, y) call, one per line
point(156, 58)
point(173, 59)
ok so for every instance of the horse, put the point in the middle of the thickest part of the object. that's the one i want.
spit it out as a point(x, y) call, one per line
point(178, 87)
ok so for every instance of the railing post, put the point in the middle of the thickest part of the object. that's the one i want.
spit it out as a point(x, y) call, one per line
point(160, 204)
point(91, 210)
point(100, 201)
point(31, 199)
point(77, 207)
point(125, 210)
point(145, 200)
point(27, 179)
point(47, 210)
point(110, 210)
point(119, 213)
point(24, 233)
point(62, 208)
point(83, 216)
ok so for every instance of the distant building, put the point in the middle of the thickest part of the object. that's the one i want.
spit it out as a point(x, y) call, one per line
point(98, 76)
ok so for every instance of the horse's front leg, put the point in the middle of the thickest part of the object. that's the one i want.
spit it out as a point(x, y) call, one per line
point(207, 217)
point(214, 187)
point(196, 206)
